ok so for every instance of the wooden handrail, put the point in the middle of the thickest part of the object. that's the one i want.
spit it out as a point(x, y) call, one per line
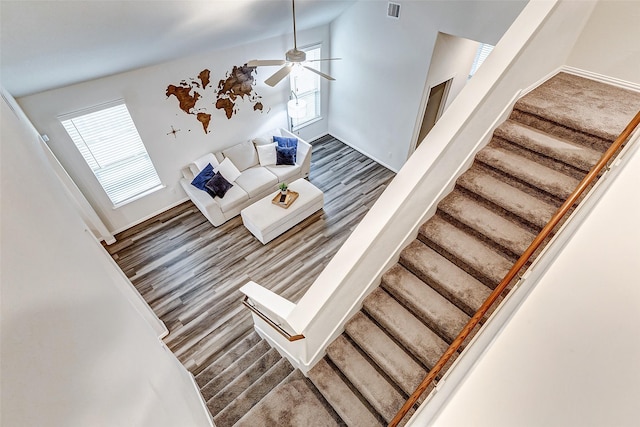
point(270, 322)
point(546, 231)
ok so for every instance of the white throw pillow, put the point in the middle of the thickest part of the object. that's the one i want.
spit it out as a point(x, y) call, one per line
point(228, 170)
point(262, 140)
point(267, 154)
point(197, 165)
point(242, 155)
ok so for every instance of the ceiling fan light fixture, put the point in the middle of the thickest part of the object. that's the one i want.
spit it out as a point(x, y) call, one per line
point(295, 55)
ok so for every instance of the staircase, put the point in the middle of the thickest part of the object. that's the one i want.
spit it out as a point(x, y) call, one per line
point(534, 161)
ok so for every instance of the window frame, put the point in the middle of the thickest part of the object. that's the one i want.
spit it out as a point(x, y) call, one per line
point(315, 94)
point(117, 156)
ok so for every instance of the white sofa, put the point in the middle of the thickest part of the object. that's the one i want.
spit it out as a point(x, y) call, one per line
point(255, 181)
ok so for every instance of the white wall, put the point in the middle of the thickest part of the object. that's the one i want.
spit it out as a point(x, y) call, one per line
point(74, 350)
point(154, 114)
point(380, 81)
point(570, 355)
point(609, 44)
point(451, 60)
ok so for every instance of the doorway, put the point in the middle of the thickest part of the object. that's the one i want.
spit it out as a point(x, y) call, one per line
point(435, 106)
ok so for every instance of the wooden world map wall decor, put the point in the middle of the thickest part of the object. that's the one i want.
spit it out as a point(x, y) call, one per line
point(238, 84)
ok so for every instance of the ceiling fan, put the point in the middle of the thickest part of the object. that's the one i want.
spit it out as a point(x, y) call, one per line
point(294, 58)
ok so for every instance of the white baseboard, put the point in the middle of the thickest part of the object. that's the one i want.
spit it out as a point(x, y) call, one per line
point(133, 224)
point(624, 84)
point(359, 150)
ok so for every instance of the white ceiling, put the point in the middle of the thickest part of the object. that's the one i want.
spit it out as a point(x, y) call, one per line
point(53, 43)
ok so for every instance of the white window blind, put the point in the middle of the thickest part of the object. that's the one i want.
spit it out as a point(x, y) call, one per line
point(481, 54)
point(110, 144)
point(306, 85)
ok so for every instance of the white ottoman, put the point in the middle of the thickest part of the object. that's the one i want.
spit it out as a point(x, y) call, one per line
point(267, 221)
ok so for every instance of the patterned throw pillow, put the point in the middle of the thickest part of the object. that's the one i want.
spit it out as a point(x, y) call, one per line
point(284, 141)
point(218, 186)
point(285, 155)
point(201, 179)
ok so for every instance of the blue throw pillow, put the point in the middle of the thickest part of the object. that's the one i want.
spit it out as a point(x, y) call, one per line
point(283, 141)
point(285, 155)
point(205, 175)
point(218, 185)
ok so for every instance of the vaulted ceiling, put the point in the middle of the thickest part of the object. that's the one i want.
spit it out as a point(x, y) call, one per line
point(53, 43)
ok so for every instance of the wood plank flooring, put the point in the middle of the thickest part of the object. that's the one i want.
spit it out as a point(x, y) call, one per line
point(190, 272)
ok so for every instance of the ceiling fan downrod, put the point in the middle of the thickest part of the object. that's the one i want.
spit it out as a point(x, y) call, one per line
point(295, 55)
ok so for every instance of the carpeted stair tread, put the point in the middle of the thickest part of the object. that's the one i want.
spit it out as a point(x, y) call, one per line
point(227, 358)
point(576, 155)
point(290, 404)
point(578, 103)
point(488, 266)
point(442, 275)
point(408, 330)
point(496, 227)
point(235, 369)
point(513, 200)
point(348, 406)
point(440, 315)
point(388, 355)
point(252, 394)
point(233, 389)
point(368, 381)
point(526, 170)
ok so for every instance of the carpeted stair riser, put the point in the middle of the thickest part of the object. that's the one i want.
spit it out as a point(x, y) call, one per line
point(470, 254)
point(379, 392)
point(235, 369)
point(350, 406)
point(252, 394)
point(436, 271)
point(486, 225)
point(514, 198)
point(559, 131)
point(233, 389)
point(281, 406)
point(232, 354)
point(515, 185)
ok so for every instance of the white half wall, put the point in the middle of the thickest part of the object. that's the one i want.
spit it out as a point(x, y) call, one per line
point(74, 351)
point(376, 98)
point(153, 113)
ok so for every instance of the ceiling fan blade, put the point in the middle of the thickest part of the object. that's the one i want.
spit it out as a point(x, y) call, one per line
point(279, 75)
point(265, 62)
point(313, 70)
point(324, 59)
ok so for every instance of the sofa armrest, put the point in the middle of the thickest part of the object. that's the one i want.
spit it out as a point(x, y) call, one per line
point(204, 202)
point(303, 154)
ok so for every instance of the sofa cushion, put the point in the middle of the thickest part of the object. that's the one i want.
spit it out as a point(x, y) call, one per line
point(242, 155)
point(285, 155)
point(218, 185)
point(256, 181)
point(228, 170)
point(284, 173)
point(234, 198)
point(266, 154)
point(203, 176)
point(197, 165)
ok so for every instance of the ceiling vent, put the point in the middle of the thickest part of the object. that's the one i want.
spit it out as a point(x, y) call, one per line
point(393, 10)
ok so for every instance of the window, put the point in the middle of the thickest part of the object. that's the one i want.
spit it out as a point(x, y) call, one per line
point(481, 54)
point(306, 85)
point(108, 140)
